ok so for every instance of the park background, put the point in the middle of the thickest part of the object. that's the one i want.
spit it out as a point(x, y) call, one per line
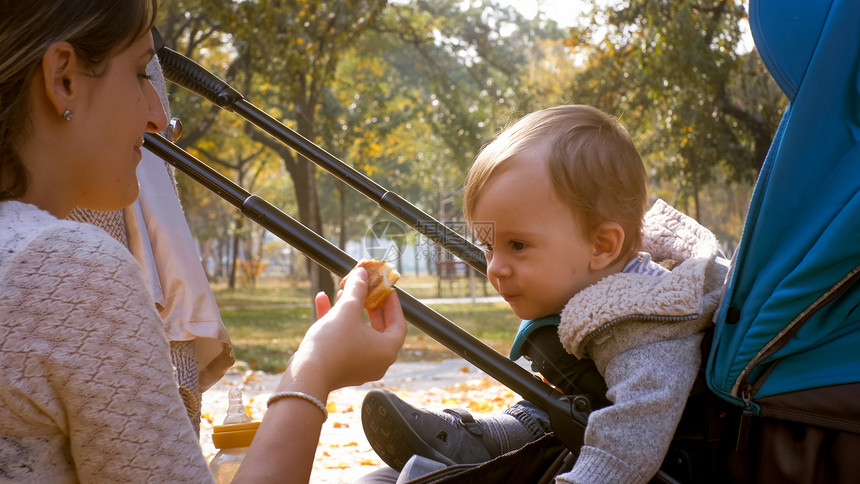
point(407, 92)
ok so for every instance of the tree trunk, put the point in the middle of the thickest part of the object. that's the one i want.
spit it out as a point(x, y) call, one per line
point(693, 166)
point(234, 256)
point(304, 178)
point(303, 174)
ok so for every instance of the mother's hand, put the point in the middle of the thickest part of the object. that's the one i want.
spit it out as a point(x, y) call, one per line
point(341, 349)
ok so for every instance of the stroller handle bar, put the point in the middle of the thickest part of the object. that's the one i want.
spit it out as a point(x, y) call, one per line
point(185, 72)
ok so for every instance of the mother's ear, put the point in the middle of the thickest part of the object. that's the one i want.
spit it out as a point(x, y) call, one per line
point(61, 77)
point(607, 241)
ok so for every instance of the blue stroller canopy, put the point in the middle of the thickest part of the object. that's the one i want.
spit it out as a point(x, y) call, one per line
point(788, 320)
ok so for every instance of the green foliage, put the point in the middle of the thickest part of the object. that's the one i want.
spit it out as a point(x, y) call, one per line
point(421, 92)
point(408, 92)
point(675, 72)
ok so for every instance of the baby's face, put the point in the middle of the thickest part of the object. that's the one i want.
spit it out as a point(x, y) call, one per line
point(537, 255)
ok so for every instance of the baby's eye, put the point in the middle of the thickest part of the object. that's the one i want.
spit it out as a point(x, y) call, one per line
point(517, 246)
point(486, 248)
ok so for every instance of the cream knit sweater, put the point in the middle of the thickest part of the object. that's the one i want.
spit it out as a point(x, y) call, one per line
point(88, 392)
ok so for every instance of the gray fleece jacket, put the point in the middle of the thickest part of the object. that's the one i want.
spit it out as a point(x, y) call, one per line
point(644, 334)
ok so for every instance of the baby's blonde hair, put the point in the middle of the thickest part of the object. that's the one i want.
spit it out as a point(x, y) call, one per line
point(590, 158)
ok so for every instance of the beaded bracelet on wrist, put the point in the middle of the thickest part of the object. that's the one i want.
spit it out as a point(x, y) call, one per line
point(304, 396)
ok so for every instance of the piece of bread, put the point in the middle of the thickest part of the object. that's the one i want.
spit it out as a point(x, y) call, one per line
point(381, 277)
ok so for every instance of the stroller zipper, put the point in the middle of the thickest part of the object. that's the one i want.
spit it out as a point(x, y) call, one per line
point(644, 317)
point(749, 390)
point(745, 421)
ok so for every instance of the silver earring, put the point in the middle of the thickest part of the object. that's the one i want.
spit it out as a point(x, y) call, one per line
point(67, 114)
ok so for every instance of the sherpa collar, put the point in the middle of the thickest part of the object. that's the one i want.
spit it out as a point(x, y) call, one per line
point(676, 296)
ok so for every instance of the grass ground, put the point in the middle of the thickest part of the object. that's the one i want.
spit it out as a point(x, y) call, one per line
point(266, 323)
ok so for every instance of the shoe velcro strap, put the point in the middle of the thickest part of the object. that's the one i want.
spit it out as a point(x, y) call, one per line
point(466, 420)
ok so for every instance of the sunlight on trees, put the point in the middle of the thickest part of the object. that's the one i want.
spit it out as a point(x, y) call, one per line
point(408, 92)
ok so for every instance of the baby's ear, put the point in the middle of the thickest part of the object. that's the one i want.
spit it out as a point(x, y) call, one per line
point(607, 241)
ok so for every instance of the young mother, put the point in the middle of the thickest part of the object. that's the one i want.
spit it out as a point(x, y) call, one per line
point(88, 387)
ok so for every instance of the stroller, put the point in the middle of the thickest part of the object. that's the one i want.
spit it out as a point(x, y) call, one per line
point(784, 349)
point(787, 332)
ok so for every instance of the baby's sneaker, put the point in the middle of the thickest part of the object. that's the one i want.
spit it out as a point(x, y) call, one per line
point(397, 431)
